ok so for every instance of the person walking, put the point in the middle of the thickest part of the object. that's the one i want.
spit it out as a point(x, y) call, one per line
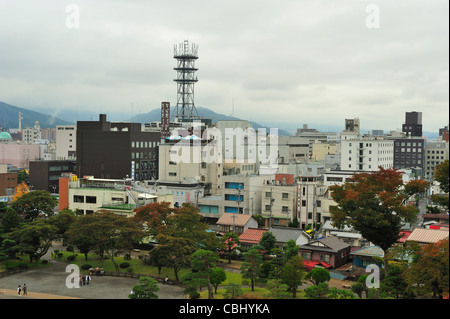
point(19, 289)
point(24, 289)
point(88, 279)
point(84, 279)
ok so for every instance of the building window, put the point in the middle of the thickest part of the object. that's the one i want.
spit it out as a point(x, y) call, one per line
point(285, 195)
point(325, 258)
point(91, 199)
point(78, 199)
point(172, 174)
point(284, 209)
point(306, 255)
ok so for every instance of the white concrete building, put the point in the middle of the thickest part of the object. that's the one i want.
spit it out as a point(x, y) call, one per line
point(30, 134)
point(435, 154)
point(66, 142)
point(202, 162)
point(367, 154)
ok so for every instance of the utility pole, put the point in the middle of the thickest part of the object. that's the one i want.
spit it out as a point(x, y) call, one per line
point(271, 203)
point(239, 199)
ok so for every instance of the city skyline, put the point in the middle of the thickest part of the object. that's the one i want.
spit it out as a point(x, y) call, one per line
point(295, 61)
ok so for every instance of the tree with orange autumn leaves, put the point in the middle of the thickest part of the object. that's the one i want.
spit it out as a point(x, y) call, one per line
point(21, 189)
point(429, 274)
point(375, 204)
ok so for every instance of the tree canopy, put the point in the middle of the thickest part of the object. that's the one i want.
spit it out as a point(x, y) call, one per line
point(375, 205)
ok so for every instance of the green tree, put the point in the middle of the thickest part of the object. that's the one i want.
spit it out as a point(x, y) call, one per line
point(62, 221)
point(251, 265)
point(217, 277)
point(319, 291)
point(441, 175)
point(291, 249)
point(319, 275)
point(110, 232)
point(232, 291)
point(187, 223)
point(394, 283)
point(293, 274)
point(202, 264)
point(32, 204)
point(145, 290)
point(10, 220)
point(375, 205)
point(84, 244)
point(277, 289)
point(358, 288)
point(177, 250)
point(34, 238)
point(267, 241)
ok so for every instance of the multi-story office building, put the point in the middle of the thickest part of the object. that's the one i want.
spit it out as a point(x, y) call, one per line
point(312, 201)
point(435, 154)
point(413, 124)
point(66, 142)
point(367, 154)
point(409, 152)
point(116, 150)
point(30, 134)
point(44, 175)
point(279, 200)
point(199, 160)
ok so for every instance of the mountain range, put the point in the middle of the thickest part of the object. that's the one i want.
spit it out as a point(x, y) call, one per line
point(9, 118)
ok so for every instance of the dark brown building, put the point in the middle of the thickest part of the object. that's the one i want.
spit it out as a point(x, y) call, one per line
point(8, 181)
point(44, 175)
point(116, 150)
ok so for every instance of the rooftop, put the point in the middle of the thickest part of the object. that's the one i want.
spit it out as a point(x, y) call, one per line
point(428, 236)
point(252, 235)
point(240, 220)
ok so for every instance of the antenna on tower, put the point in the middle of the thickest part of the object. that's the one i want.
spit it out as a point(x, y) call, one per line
point(185, 55)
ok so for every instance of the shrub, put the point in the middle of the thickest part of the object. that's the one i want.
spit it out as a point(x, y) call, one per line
point(71, 258)
point(86, 266)
point(124, 265)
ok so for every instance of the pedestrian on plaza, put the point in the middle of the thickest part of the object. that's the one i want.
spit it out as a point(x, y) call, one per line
point(84, 279)
point(24, 289)
point(88, 278)
point(19, 289)
point(80, 280)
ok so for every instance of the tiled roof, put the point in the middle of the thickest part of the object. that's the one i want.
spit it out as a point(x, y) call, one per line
point(251, 236)
point(284, 234)
point(310, 264)
point(405, 234)
point(328, 225)
point(424, 235)
point(240, 220)
point(331, 244)
point(369, 251)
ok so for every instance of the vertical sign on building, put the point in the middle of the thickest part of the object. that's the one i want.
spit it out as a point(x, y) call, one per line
point(165, 120)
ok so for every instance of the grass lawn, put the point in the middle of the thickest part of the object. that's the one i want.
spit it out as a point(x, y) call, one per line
point(25, 261)
point(258, 293)
point(136, 265)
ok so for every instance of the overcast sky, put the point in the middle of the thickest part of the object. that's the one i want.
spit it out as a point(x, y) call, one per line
point(314, 61)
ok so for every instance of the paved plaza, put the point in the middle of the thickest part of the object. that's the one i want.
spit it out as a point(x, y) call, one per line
point(50, 283)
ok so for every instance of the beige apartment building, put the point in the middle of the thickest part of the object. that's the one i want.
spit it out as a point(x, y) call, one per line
point(200, 161)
